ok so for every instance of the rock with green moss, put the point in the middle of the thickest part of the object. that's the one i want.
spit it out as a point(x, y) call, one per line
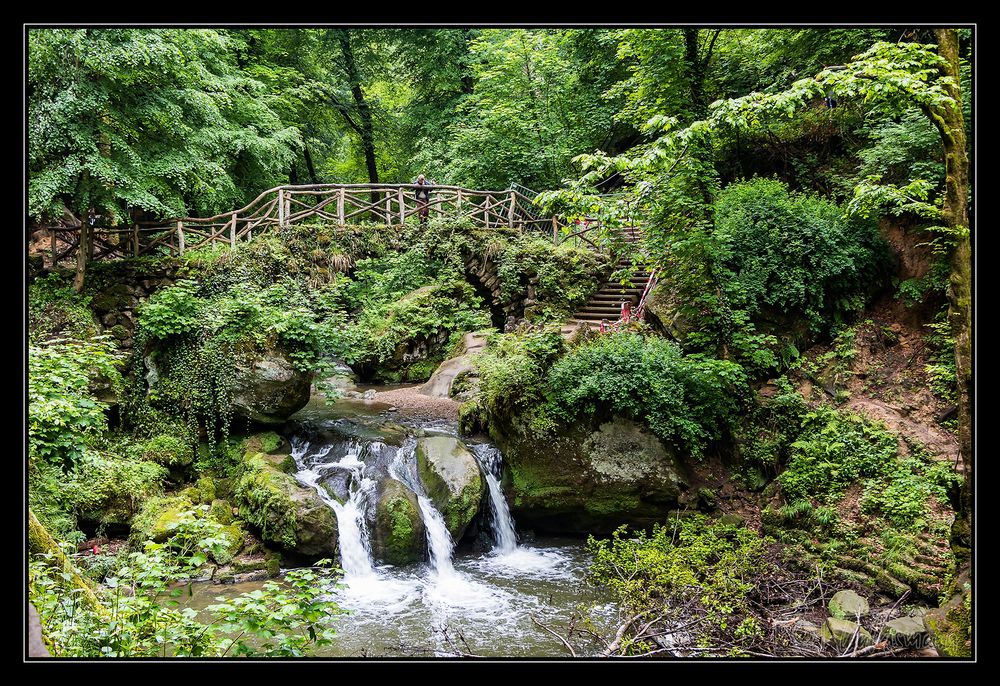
point(221, 511)
point(164, 449)
point(583, 480)
point(841, 633)
point(284, 511)
point(399, 534)
point(159, 517)
point(269, 388)
point(266, 442)
point(451, 477)
point(848, 605)
point(950, 626)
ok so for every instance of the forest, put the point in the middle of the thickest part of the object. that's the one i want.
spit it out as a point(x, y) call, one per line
point(499, 343)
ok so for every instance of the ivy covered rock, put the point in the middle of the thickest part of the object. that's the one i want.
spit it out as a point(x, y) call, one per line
point(286, 513)
point(399, 534)
point(451, 477)
point(582, 480)
point(269, 388)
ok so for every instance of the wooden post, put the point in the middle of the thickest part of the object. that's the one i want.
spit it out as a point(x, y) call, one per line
point(288, 207)
point(555, 231)
point(486, 211)
point(510, 213)
point(180, 237)
point(232, 233)
point(135, 239)
point(281, 207)
point(340, 207)
point(458, 202)
point(388, 208)
point(402, 205)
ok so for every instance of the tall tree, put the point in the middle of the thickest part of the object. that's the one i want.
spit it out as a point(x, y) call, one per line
point(157, 120)
point(362, 121)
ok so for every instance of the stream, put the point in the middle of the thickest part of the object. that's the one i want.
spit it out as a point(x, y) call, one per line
point(482, 597)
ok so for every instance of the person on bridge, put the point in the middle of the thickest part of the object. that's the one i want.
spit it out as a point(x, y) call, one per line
point(423, 196)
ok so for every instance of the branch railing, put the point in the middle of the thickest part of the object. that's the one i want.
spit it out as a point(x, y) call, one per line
point(341, 204)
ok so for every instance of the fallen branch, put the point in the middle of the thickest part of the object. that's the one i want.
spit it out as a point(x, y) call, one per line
point(557, 635)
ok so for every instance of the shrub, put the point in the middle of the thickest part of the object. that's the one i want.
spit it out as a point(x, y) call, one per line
point(794, 252)
point(686, 400)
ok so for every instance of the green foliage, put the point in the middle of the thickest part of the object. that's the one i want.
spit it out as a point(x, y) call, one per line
point(109, 489)
point(688, 401)
point(157, 119)
point(55, 310)
point(835, 450)
point(288, 620)
point(141, 615)
point(691, 571)
point(766, 432)
point(512, 369)
point(172, 311)
point(63, 417)
point(163, 449)
point(794, 253)
point(566, 275)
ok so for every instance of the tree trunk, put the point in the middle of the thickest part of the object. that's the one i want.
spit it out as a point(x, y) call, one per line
point(695, 70)
point(364, 111)
point(310, 167)
point(955, 214)
point(82, 253)
point(40, 541)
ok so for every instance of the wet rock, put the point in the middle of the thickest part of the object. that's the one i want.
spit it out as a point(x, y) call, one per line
point(451, 477)
point(399, 534)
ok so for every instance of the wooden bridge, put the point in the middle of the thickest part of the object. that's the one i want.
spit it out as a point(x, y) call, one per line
point(341, 204)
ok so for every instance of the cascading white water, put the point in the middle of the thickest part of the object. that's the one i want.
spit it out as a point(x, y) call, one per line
point(352, 531)
point(439, 540)
point(501, 521)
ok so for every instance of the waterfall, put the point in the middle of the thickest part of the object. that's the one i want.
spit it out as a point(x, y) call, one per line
point(352, 530)
point(439, 542)
point(501, 521)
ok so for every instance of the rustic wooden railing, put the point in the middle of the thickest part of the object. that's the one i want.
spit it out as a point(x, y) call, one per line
point(342, 204)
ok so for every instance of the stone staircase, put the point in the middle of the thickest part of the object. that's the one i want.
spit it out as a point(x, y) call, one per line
point(606, 303)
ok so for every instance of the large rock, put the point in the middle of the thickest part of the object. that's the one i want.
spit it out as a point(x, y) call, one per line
point(162, 518)
point(460, 369)
point(286, 512)
point(906, 632)
point(848, 605)
point(585, 480)
point(950, 626)
point(664, 311)
point(452, 479)
point(269, 389)
point(399, 534)
point(841, 632)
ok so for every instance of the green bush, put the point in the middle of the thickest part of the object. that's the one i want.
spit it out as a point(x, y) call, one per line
point(512, 369)
point(686, 400)
point(164, 449)
point(56, 310)
point(694, 571)
point(794, 253)
point(104, 488)
point(63, 416)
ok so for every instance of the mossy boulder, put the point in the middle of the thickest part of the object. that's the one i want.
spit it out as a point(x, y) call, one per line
point(906, 632)
point(161, 517)
point(950, 626)
point(848, 605)
point(451, 477)
point(399, 534)
point(286, 513)
point(665, 312)
point(589, 480)
point(841, 632)
point(269, 388)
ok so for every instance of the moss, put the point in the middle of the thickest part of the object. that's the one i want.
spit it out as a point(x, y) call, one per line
point(158, 518)
point(422, 370)
point(950, 626)
point(272, 563)
point(206, 490)
point(165, 449)
point(267, 442)
point(263, 502)
point(221, 511)
point(288, 465)
point(40, 542)
point(233, 536)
